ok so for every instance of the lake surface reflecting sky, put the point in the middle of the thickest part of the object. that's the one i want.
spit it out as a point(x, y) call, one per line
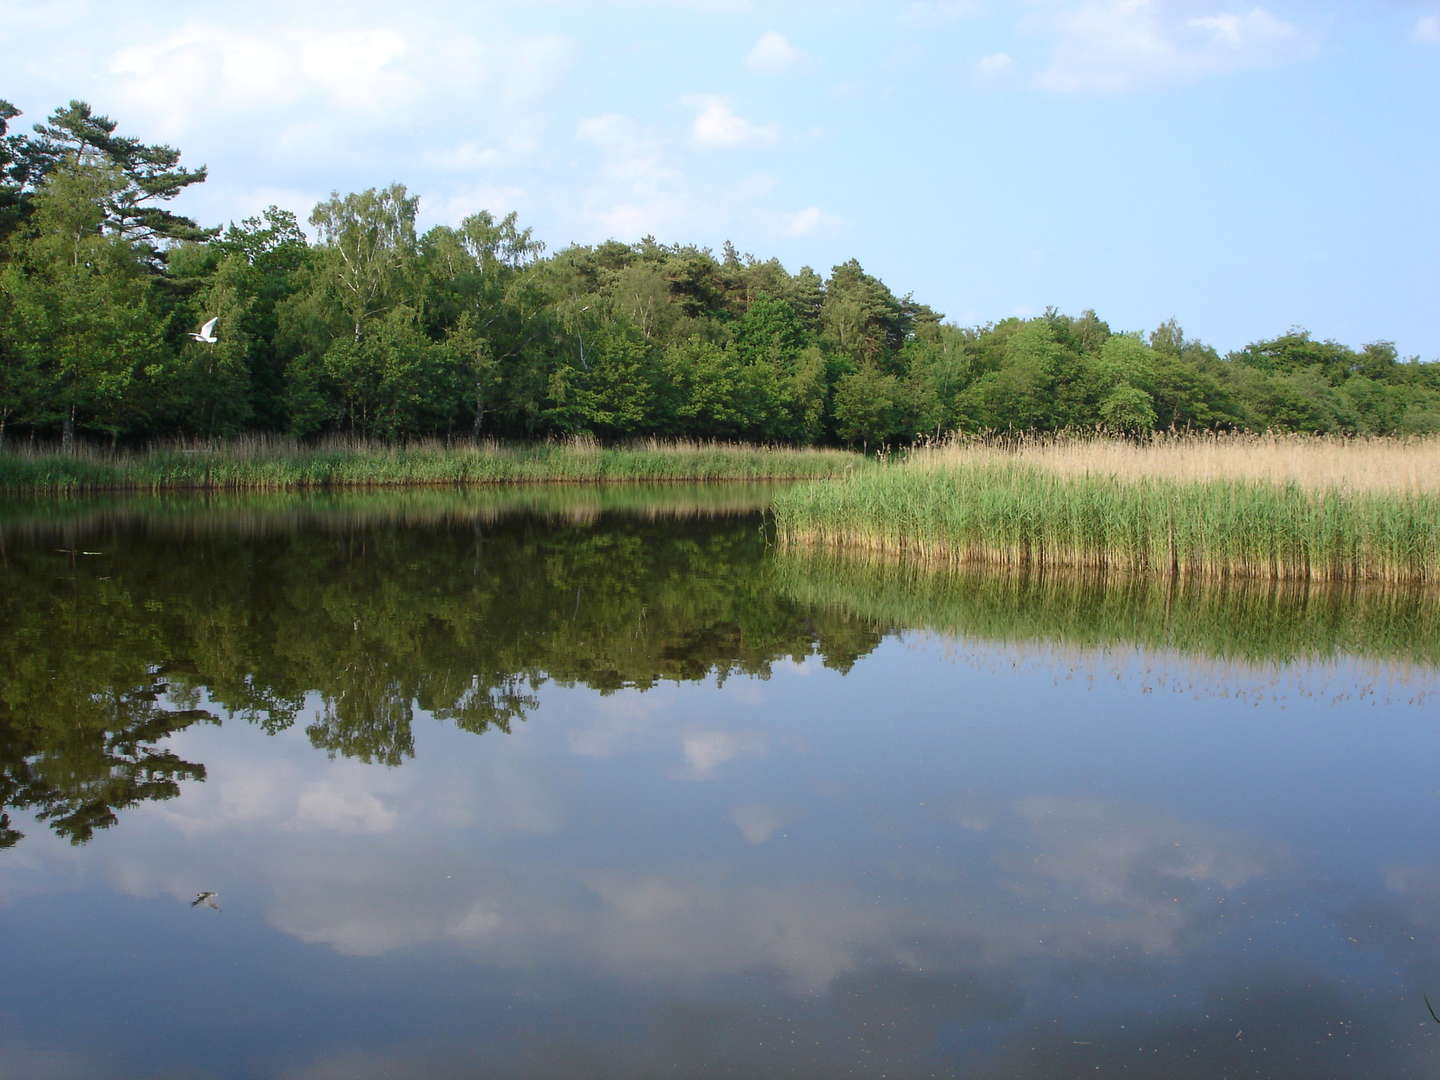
point(572, 783)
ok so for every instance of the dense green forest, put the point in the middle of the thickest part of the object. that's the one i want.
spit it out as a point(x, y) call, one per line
point(475, 330)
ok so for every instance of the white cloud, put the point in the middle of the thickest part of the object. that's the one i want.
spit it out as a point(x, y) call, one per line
point(339, 797)
point(718, 127)
point(532, 67)
point(41, 16)
point(1427, 29)
point(629, 150)
point(1255, 28)
point(622, 721)
point(806, 221)
point(755, 186)
point(772, 54)
point(994, 65)
point(635, 189)
point(756, 823)
point(327, 807)
point(706, 751)
point(681, 926)
point(1117, 45)
point(362, 69)
point(391, 74)
point(464, 156)
point(937, 12)
point(473, 154)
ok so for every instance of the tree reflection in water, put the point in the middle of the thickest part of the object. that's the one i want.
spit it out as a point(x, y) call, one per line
point(356, 616)
point(354, 612)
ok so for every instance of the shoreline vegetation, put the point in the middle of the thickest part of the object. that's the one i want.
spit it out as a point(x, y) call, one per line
point(272, 464)
point(1245, 507)
point(1276, 507)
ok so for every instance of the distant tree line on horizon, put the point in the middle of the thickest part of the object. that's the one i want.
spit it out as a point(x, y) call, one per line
point(474, 330)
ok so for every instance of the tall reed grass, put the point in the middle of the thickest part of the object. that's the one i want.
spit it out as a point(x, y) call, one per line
point(1007, 511)
point(265, 464)
point(1309, 461)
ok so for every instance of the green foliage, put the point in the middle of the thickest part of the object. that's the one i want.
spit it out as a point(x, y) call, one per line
point(1014, 514)
point(1128, 410)
point(868, 406)
point(83, 325)
point(473, 329)
point(701, 384)
point(145, 175)
point(368, 253)
point(14, 171)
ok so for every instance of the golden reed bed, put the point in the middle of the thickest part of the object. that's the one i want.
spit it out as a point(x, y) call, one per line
point(1410, 465)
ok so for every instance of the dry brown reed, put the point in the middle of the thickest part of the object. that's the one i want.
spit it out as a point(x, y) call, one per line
point(1400, 465)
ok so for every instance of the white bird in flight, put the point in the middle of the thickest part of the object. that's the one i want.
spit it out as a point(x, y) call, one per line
point(209, 899)
point(207, 332)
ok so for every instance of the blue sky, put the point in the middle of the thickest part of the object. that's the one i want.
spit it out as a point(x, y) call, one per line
point(1242, 167)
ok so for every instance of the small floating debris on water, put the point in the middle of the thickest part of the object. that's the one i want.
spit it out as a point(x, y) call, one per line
point(209, 899)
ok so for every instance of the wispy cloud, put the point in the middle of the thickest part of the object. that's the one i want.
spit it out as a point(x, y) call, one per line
point(994, 65)
point(1118, 45)
point(772, 54)
point(1427, 29)
point(806, 221)
point(473, 154)
point(385, 73)
point(706, 751)
point(718, 127)
point(756, 823)
point(937, 12)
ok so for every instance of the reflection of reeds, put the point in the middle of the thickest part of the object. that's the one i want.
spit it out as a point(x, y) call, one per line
point(263, 464)
point(260, 513)
point(1013, 513)
point(1253, 622)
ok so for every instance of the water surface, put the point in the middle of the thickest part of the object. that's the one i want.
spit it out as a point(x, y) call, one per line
point(568, 782)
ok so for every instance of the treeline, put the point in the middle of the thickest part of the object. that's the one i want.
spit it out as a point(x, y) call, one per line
point(474, 330)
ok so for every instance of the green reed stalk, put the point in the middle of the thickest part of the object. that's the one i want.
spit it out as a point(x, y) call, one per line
point(1019, 515)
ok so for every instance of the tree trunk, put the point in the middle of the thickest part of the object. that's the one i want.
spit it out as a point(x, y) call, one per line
point(67, 431)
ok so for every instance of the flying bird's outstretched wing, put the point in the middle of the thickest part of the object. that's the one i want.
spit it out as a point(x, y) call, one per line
point(208, 330)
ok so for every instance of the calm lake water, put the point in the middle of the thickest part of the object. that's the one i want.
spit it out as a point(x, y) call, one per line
point(566, 783)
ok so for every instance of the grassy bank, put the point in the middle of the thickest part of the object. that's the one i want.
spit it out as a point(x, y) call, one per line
point(999, 508)
point(278, 465)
